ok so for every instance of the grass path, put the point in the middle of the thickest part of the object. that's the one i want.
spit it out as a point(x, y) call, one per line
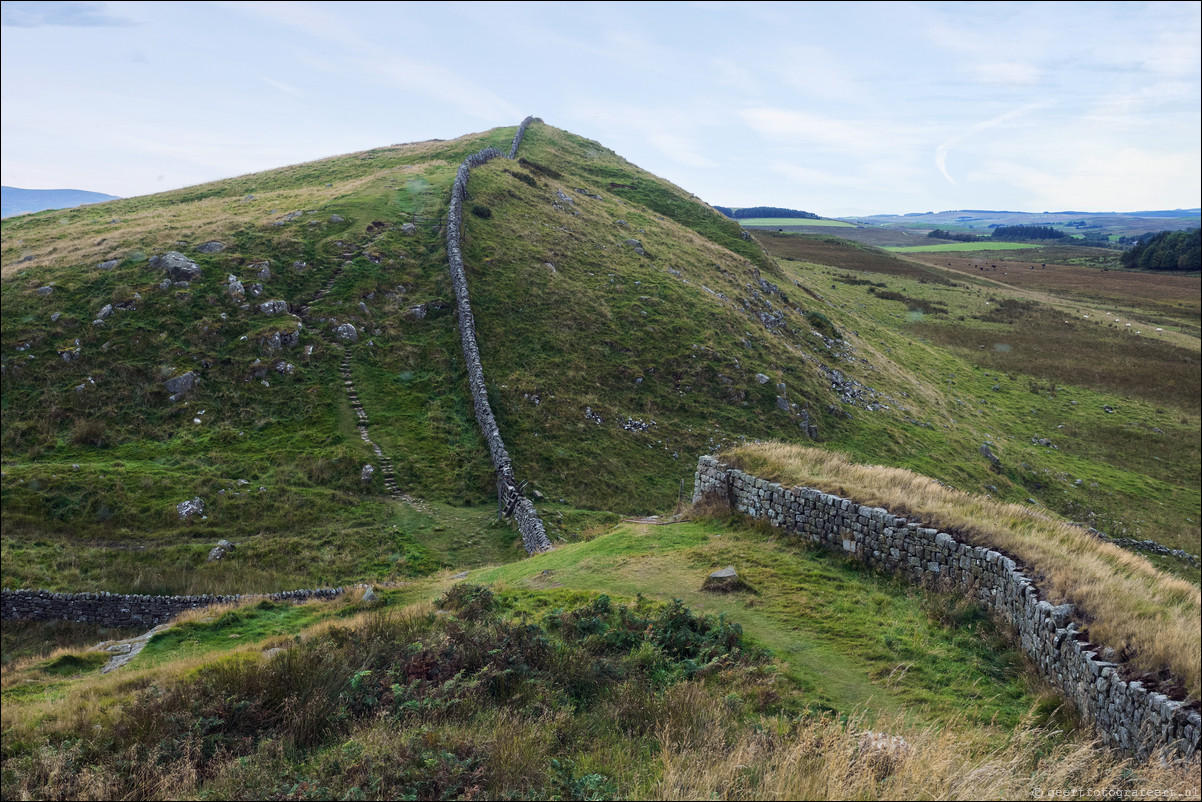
point(849, 640)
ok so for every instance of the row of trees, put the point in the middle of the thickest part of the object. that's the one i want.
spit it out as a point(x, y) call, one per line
point(765, 211)
point(1012, 233)
point(1168, 250)
point(957, 236)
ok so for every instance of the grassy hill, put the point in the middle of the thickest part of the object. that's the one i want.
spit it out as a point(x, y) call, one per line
point(625, 328)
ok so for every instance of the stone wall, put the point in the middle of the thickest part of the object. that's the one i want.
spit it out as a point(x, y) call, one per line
point(509, 493)
point(1127, 711)
point(113, 610)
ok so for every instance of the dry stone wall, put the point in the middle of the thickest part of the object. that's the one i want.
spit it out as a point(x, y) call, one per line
point(509, 494)
point(1126, 712)
point(115, 610)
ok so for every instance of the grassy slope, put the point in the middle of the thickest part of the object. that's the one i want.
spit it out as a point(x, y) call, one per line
point(1131, 471)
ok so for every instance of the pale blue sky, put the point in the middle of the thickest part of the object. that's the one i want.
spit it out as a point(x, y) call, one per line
point(837, 108)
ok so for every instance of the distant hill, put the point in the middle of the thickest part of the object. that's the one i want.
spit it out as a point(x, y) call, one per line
point(764, 211)
point(14, 200)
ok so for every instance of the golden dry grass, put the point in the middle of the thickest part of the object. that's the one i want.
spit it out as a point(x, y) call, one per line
point(1126, 602)
point(825, 759)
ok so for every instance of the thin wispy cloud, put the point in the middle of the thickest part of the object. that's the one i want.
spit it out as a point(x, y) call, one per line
point(941, 152)
point(26, 14)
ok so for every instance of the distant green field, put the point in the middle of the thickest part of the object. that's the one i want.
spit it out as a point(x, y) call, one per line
point(963, 246)
point(793, 221)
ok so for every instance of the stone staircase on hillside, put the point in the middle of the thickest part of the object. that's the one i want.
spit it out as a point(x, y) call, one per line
point(386, 468)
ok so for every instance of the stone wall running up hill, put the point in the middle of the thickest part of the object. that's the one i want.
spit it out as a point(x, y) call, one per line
point(509, 493)
point(1126, 711)
point(114, 610)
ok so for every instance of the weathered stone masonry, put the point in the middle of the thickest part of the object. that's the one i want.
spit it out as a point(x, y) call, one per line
point(509, 495)
point(113, 610)
point(1125, 713)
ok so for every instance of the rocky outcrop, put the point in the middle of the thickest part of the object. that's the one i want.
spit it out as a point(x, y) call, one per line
point(1128, 712)
point(177, 266)
point(511, 500)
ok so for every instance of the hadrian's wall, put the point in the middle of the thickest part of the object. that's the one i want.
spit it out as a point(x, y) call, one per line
point(509, 495)
point(115, 610)
point(1126, 713)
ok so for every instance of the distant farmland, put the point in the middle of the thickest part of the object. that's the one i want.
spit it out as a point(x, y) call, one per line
point(963, 246)
point(793, 221)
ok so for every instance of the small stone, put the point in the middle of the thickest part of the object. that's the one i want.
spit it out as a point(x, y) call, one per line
point(408, 229)
point(182, 383)
point(109, 265)
point(187, 509)
point(212, 246)
point(337, 218)
point(761, 378)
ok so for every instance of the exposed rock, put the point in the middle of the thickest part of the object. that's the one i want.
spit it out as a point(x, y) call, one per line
point(177, 266)
point(279, 340)
point(366, 474)
point(761, 378)
point(49, 288)
point(299, 266)
point(988, 454)
point(104, 312)
point(274, 307)
point(212, 246)
point(347, 332)
point(256, 290)
point(215, 554)
point(225, 544)
point(235, 288)
point(182, 383)
point(636, 246)
point(408, 229)
point(369, 595)
point(186, 509)
point(724, 580)
point(109, 265)
point(337, 218)
point(264, 270)
point(54, 319)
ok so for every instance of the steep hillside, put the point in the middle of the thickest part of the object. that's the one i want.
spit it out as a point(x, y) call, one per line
point(624, 326)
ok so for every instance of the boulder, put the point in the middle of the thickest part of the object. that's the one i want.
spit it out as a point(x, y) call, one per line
point(235, 286)
point(274, 307)
point(212, 246)
point(337, 218)
point(264, 270)
point(279, 340)
point(45, 290)
point(408, 229)
point(988, 454)
point(761, 378)
point(177, 266)
point(109, 265)
point(636, 246)
point(369, 595)
point(189, 508)
point(366, 474)
point(182, 383)
point(725, 580)
point(347, 332)
point(104, 312)
point(216, 554)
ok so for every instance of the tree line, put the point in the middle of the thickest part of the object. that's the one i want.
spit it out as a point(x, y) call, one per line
point(1167, 250)
point(765, 211)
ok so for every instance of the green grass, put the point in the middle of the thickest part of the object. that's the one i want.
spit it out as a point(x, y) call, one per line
point(963, 246)
point(793, 221)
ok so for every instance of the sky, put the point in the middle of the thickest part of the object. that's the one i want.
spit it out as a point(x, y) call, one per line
point(836, 108)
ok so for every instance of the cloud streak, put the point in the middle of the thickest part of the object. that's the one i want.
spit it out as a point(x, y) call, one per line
point(25, 14)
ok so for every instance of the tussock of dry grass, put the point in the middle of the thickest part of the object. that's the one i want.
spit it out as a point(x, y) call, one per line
point(822, 759)
point(1127, 603)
